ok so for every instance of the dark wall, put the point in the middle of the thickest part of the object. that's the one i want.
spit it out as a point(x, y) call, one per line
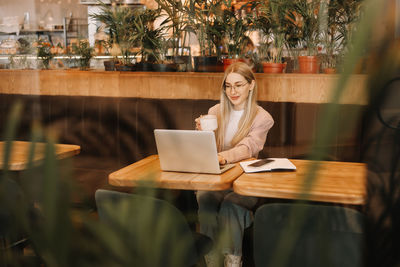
point(115, 132)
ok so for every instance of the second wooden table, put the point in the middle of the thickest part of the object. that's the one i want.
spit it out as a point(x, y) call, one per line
point(20, 151)
point(335, 182)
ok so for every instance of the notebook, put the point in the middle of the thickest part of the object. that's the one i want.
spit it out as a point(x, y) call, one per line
point(277, 164)
point(188, 151)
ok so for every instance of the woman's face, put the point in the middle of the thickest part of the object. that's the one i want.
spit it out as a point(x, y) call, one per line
point(237, 88)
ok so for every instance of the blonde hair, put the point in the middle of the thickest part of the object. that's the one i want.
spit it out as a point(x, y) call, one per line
point(226, 106)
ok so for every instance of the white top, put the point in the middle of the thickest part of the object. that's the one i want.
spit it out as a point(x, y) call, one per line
point(232, 127)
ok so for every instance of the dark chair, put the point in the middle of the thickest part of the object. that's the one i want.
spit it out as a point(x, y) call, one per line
point(13, 240)
point(154, 232)
point(307, 235)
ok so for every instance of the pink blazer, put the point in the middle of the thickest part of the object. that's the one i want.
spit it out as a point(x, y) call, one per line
point(254, 142)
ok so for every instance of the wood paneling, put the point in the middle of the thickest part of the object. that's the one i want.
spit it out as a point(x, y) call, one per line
point(298, 88)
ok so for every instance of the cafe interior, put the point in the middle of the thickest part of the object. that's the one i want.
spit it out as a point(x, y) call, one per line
point(87, 85)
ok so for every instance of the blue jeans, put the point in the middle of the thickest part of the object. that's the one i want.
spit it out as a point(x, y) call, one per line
point(223, 216)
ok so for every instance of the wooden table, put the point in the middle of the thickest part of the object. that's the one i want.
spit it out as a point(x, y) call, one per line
point(147, 172)
point(20, 151)
point(335, 182)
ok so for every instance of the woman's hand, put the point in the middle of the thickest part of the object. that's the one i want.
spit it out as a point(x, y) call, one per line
point(198, 125)
point(221, 159)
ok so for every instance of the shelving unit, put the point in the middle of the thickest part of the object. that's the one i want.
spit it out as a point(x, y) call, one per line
point(73, 28)
point(70, 32)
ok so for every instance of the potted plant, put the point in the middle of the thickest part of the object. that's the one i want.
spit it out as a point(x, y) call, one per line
point(103, 45)
point(44, 52)
point(273, 21)
point(147, 37)
point(308, 12)
point(162, 63)
point(235, 29)
point(204, 22)
point(119, 26)
point(177, 22)
point(85, 53)
point(109, 65)
point(338, 21)
point(293, 44)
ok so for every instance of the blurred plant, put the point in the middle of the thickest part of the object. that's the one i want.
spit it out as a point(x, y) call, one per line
point(57, 241)
point(44, 52)
point(85, 52)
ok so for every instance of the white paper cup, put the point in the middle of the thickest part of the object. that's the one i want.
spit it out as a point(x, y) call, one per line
point(208, 123)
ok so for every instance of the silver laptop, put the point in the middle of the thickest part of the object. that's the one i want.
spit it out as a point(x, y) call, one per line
point(188, 151)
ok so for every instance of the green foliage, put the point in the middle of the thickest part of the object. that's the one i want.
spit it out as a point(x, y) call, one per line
point(57, 240)
point(44, 52)
point(309, 25)
point(338, 21)
point(129, 28)
point(150, 40)
point(40, 208)
point(177, 21)
point(204, 21)
point(275, 19)
point(234, 29)
point(119, 25)
point(85, 52)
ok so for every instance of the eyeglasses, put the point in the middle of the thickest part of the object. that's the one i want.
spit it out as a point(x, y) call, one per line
point(236, 87)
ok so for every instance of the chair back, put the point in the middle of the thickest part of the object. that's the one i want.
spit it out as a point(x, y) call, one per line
point(152, 231)
point(307, 235)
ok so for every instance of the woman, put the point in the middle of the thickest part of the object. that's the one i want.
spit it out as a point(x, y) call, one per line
point(241, 134)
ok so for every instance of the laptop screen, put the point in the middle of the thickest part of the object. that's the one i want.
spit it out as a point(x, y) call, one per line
point(187, 151)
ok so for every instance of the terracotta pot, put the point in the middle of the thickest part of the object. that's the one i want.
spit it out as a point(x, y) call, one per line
point(329, 70)
point(229, 61)
point(308, 64)
point(270, 67)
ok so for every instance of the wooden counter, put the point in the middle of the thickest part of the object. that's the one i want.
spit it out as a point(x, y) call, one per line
point(299, 88)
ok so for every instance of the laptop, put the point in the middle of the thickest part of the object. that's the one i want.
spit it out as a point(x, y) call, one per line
point(188, 151)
